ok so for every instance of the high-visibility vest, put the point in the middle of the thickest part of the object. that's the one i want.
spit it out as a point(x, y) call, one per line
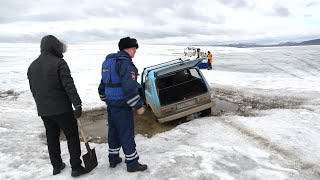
point(210, 57)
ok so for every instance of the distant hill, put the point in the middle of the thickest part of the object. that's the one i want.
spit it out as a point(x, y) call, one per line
point(310, 42)
point(303, 43)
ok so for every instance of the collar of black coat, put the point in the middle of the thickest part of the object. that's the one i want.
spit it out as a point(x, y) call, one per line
point(51, 45)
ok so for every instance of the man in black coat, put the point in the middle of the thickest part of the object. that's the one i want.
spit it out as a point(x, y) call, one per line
point(54, 92)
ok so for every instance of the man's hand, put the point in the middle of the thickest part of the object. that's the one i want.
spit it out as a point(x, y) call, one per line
point(77, 112)
point(140, 111)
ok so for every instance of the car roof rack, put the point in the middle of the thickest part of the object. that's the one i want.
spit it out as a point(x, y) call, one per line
point(172, 62)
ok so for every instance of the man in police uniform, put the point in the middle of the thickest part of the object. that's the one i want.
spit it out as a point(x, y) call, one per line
point(119, 89)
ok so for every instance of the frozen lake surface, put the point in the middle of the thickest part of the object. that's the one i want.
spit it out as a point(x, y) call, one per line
point(273, 132)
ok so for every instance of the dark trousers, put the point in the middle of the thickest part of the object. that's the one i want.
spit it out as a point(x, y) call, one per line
point(121, 134)
point(209, 65)
point(68, 124)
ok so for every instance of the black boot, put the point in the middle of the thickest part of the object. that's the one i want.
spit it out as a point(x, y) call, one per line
point(139, 167)
point(78, 171)
point(118, 162)
point(58, 169)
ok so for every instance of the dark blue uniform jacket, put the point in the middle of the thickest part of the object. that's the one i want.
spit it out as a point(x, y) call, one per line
point(127, 76)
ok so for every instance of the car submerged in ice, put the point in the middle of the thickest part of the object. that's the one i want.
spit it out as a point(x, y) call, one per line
point(176, 89)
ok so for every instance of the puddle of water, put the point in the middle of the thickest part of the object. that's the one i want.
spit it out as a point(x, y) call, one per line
point(96, 128)
point(148, 126)
point(223, 107)
point(95, 125)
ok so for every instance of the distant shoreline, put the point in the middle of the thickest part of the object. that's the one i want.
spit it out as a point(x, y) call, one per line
point(249, 45)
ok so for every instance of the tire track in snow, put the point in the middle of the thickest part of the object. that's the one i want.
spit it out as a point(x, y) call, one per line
point(298, 163)
point(312, 66)
point(287, 72)
point(276, 67)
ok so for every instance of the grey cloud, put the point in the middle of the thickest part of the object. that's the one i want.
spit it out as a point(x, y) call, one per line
point(82, 8)
point(205, 30)
point(186, 31)
point(161, 19)
point(147, 37)
point(116, 11)
point(21, 38)
point(156, 34)
point(141, 33)
point(68, 36)
point(314, 3)
point(47, 17)
point(89, 36)
point(9, 10)
point(33, 10)
point(15, 11)
point(188, 13)
point(150, 12)
point(281, 10)
point(236, 3)
point(141, 9)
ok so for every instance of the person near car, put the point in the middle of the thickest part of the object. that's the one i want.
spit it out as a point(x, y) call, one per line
point(54, 92)
point(119, 89)
point(209, 60)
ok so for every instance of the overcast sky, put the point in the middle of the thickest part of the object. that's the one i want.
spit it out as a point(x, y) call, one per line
point(162, 21)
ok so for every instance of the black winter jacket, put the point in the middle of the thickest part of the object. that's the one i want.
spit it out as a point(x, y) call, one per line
point(50, 80)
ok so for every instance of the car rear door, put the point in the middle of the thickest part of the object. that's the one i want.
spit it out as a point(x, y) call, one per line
point(178, 66)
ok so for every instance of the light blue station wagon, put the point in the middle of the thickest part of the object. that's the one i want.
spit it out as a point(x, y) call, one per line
point(176, 89)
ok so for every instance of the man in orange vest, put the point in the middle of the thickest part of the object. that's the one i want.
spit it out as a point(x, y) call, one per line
point(209, 60)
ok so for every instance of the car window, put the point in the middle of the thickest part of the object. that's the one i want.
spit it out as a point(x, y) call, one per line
point(148, 85)
point(144, 77)
point(194, 73)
